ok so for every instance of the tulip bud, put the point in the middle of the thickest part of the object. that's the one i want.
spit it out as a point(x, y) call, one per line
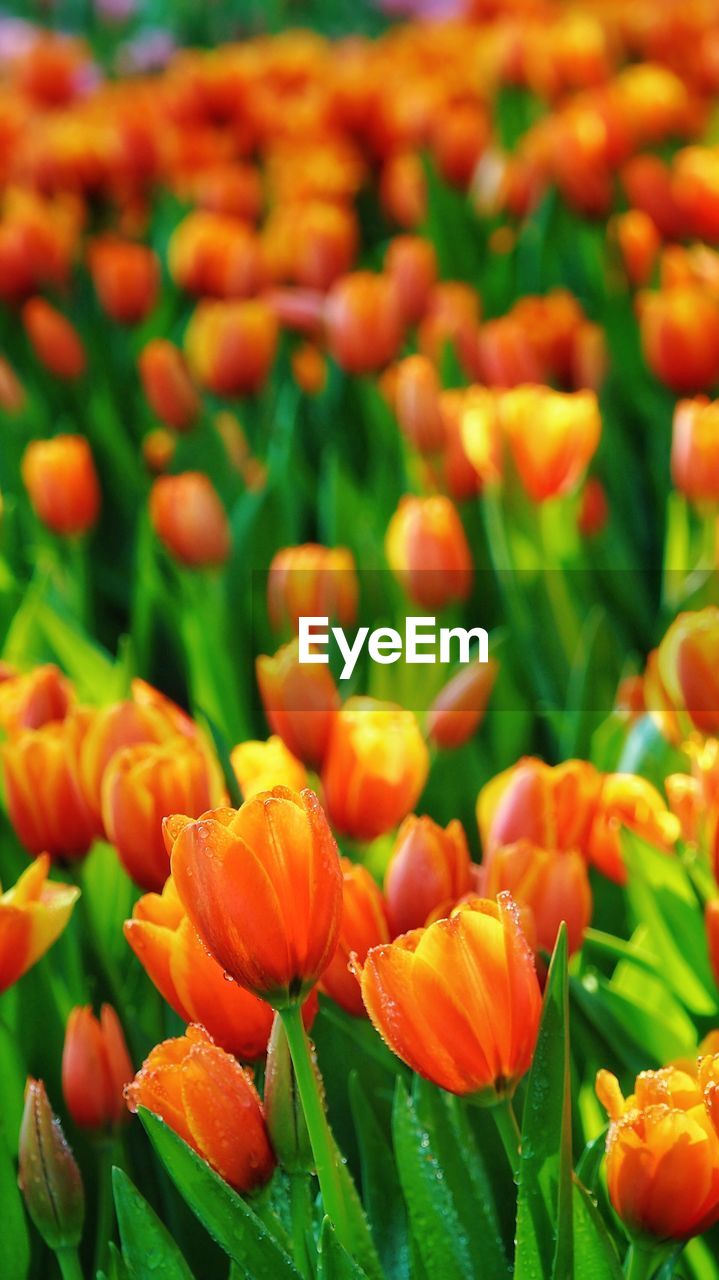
point(460, 134)
point(283, 1110)
point(12, 392)
point(310, 581)
point(458, 709)
point(189, 518)
point(680, 337)
point(230, 346)
point(34, 699)
point(553, 884)
point(417, 404)
point(126, 277)
point(411, 262)
point(55, 341)
point(300, 702)
point(639, 243)
point(403, 189)
point(309, 369)
point(158, 450)
point(428, 552)
point(363, 321)
point(62, 483)
point(553, 437)
point(430, 867)
point(695, 449)
point(96, 1067)
point(167, 384)
point(363, 926)
point(48, 1174)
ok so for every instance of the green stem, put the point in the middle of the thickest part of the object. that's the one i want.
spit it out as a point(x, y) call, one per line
point(104, 1217)
point(508, 1129)
point(300, 1217)
point(69, 1263)
point(640, 1261)
point(323, 1149)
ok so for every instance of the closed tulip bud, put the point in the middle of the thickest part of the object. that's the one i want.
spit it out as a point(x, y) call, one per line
point(552, 806)
point(695, 185)
point(309, 369)
point(44, 798)
point(460, 135)
point(662, 1155)
point(403, 189)
point(260, 766)
point(481, 434)
point(428, 552)
point(593, 509)
point(363, 322)
point(283, 1109)
point(62, 483)
point(210, 254)
point(126, 277)
point(639, 243)
point(711, 921)
point(182, 1081)
point(300, 702)
point(680, 337)
point(54, 340)
point(411, 263)
point(628, 801)
point(142, 785)
point(553, 884)
point(158, 450)
point(33, 914)
point(426, 994)
point(96, 1067)
point(375, 768)
point(363, 925)
point(236, 871)
point(506, 355)
point(686, 665)
point(695, 449)
point(459, 708)
point(311, 243)
point(429, 868)
point(311, 581)
point(417, 393)
point(12, 392)
point(230, 346)
point(48, 1174)
point(31, 700)
point(189, 518)
point(553, 437)
point(168, 387)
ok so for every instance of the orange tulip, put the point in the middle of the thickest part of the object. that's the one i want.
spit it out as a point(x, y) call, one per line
point(662, 1154)
point(12, 392)
point(126, 277)
point(33, 914)
point(428, 552)
point(229, 188)
point(31, 700)
point(210, 1101)
point(143, 784)
point(260, 766)
point(451, 320)
point(649, 187)
point(506, 355)
point(639, 243)
point(363, 322)
point(553, 884)
point(460, 134)
point(312, 581)
point(62, 483)
point(628, 801)
point(480, 434)
point(375, 768)
point(695, 449)
point(158, 449)
point(210, 254)
point(263, 887)
point(695, 185)
point(230, 346)
point(300, 702)
point(429, 868)
point(167, 384)
point(44, 799)
point(189, 518)
point(458, 709)
point(461, 479)
point(403, 189)
point(309, 369)
point(686, 665)
point(100, 734)
point(411, 263)
point(363, 925)
point(680, 337)
point(55, 342)
point(417, 404)
point(551, 806)
point(96, 1066)
point(459, 1001)
point(553, 436)
point(311, 243)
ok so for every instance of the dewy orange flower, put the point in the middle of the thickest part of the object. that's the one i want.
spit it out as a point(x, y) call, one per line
point(428, 552)
point(55, 341)
point(552, 883)
point(101, 733)
point(662, 1154)
point(62, 483)
point(363, 925)
point(300, 702)
point(553, 436)
point(126, 277)
point(263, 887)
point(210, 1101)
point(695, 449)
point(167, 384)
point(189, 518)
point(96, 1067)
point(429, 869)
point(312, 581)
point(33, 914)
point(260, 766)
point(45, 801)
point(459, 1001)
point(375, 768)
point(552, 806)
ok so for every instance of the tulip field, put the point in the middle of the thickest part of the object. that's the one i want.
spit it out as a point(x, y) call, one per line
point(359, 640)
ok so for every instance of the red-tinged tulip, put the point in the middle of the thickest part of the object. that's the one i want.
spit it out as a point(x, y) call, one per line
point(429, 868)
point(552, 806)
point(48, 1175)
point(12, 392)
point(695, 449)
point(158, 450)
point(100, 734)
point(62, 483)
point(309, 369)
point(411, 263)
point(662, 1155)
point(686, 664)
point(631, 802)
point(126, 277)
point(505, 354)
point(459, 1001)
point(639, 243)
point(593, 509)
point(363, 925)
point(312, 581)
point(417, 391)
point(311, 243)
point(168, 387)
point(553, 437)
point(54, 340)
point(403, 189)
point(459, 708)
point(149, 698)
point(31, 700)
point(142, 785)
point(461, 478)
point(428, 552)
point(451, 320)
point(363, 322)
point(300, 702)
point(231, 188)
point(214, 256)
point(695, 185)
point(209, 1100)
point(189, 518)
point(648, 184)
point(44, 799)
point(230, 346)
point(375, 768)
point(33, 914)
point(460, 134)
point(263, 887)
point(552, 883)
point(680, 337)
point(711, 920)
point(96, 1066)
point(260, 766)
point(480, 432)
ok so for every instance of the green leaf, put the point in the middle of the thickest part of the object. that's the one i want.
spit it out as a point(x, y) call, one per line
point(544, 1209)
point(334, 1262)
point(382, 1193)
point(226, 1216)
point(97, 678)
point(594, 1252)
point(14, 1238)
point(436, 1228)
point(148, 1250)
